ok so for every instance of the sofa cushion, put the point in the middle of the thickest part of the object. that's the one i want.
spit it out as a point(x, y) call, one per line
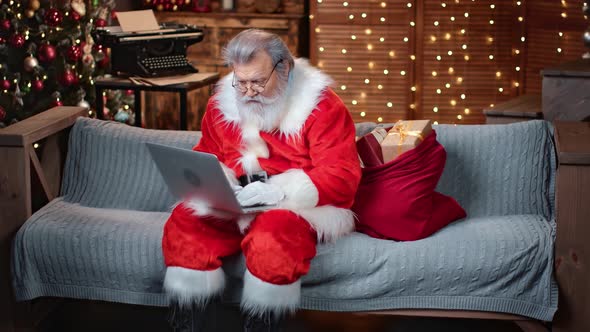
point(108, 165)
point(489, 263)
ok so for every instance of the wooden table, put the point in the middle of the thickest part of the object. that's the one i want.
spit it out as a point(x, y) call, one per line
point(119, 83)
point(566, 91)
point(521, 108)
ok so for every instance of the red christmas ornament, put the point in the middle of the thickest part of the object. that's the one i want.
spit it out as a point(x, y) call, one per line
point(5, 84)
point(104, 62)
point(74, 53)
point(2, 40)
point(2, 113)
point(75, 16)
point(68, 78)
point(17, 40)
point(38, 85)
point(46, 53)
point(100, 22)
point(98, 48)
point(56, 103)
point(53, 17)
point(5, 24)
point(113, 14)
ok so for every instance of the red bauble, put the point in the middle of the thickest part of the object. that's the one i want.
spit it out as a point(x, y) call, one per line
point(2, 113)
point(68, 78)
point(17, 40)
point(5, 84)
point(56, 103)
point(104, 62)
point(113, 14)
point(100, 22)
point(53, 17)
point(5, 24)
point(2, 40)
point(74, 16)
point(38, 85)
point(74, 53)
point(98, 47)
point(46, 53)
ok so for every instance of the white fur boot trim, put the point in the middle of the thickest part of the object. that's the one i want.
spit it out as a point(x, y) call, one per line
point(187, 286)
point(259, 297)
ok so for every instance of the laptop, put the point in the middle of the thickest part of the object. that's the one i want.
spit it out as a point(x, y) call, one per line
point(198, 175)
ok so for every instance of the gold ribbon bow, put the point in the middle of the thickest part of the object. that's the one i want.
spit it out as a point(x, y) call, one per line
point(402, 129)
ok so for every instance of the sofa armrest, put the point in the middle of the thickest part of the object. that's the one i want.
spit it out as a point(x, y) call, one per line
point(572, 248)
point(17, 154)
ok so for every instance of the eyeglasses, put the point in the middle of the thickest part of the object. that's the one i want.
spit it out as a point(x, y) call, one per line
point(256, 86)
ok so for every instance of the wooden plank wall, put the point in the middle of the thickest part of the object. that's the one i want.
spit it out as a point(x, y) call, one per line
point(444, 60)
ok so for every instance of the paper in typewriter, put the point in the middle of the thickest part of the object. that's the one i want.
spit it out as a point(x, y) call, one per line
point(138, 20)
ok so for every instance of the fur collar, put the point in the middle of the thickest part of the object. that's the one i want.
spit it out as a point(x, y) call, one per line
point(306, 85)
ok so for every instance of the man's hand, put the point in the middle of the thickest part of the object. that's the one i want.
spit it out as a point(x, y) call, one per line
point(260, 193)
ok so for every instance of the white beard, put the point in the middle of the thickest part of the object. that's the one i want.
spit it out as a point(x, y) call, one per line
point(264, 113)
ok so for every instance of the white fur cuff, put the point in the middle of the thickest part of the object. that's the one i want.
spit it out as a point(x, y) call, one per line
point(187, 286)
point(259, 297)
point(300, 191)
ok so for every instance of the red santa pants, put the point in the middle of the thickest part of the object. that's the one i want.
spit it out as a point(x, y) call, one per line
point(279, 245)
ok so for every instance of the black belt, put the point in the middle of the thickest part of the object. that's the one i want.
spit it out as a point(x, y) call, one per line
point(260, 176)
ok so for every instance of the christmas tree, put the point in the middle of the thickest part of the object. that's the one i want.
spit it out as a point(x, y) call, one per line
point(48, 57)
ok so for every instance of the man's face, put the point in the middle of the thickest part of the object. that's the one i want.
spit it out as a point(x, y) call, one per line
point(259, 72)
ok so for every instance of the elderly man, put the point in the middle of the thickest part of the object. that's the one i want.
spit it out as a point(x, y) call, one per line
point(285, 138)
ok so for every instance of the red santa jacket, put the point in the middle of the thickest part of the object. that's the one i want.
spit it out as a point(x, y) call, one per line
point(311, 155)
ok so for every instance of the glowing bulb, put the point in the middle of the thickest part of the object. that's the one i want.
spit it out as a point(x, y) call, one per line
point(412, 57)
point(382, 19)
point(343, 51)
point(459, 80)
point(409, 4)
point(317, 30)
point(353, 37)
point(522, 39)
point(392, 53)
point(435, 109)
point(350, 17)
point(517, 51)
point(434, 73)
point(453, 102)
point(389, 104)
point(462, 31)
point(438, 57)
point(381, 39)
point(466, 58)
point(383, 5)
point(379, 119)
point(559, 50)
point(564, 15)
point(517, 68)
point(343, 87)
point(452, 18)
point(345, 4)
point(448, 85)
point(380, 87)
point(520, 19)
point(438, 91)
point(464, 46)
point(467, 111)
point(321, 49)
point(516, 84)
point(435, 23)
point(447, 36)
point(492, 6)
point(443, 5)
point(413, 88)
point(466, 14)
point(349, 69)
point(403, 73)
point(364, 15)
point(498, 74)
point(385, 71)
point(450, 52)
point(459, 117)
point(371, 64)
point(491, 21)
point(491, 56)
point(412, 23)
point(367, 81)
point(463, 96)
point(560, 34)
point(370, 47)
point(406, 39)
point(433, 38)
point(501, 89)
point(363, 114)
point(354, 102)
point(368, 31)
point(451, 70)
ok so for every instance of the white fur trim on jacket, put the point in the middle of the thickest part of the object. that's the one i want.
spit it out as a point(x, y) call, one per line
point(202, 208)
point(259, 297)
point(302, 196)
point(193, 286)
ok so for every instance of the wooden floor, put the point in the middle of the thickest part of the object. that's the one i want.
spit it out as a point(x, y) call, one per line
point(77, 316)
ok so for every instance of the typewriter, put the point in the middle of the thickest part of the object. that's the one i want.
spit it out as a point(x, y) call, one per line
point(150, 53)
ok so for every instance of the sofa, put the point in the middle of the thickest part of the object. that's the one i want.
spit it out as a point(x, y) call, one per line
point(100, 237)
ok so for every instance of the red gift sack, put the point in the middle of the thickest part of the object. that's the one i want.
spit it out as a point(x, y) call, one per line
point(397, 200)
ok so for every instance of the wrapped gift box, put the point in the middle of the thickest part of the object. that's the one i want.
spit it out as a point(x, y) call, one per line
point(369, 147)
point(404, 136)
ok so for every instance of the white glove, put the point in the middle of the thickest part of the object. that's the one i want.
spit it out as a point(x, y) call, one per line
point(260, 193)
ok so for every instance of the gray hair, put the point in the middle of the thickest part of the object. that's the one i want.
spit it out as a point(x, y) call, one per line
point(244, 46)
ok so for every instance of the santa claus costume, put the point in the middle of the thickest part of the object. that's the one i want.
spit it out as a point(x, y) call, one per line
point(307, 148)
